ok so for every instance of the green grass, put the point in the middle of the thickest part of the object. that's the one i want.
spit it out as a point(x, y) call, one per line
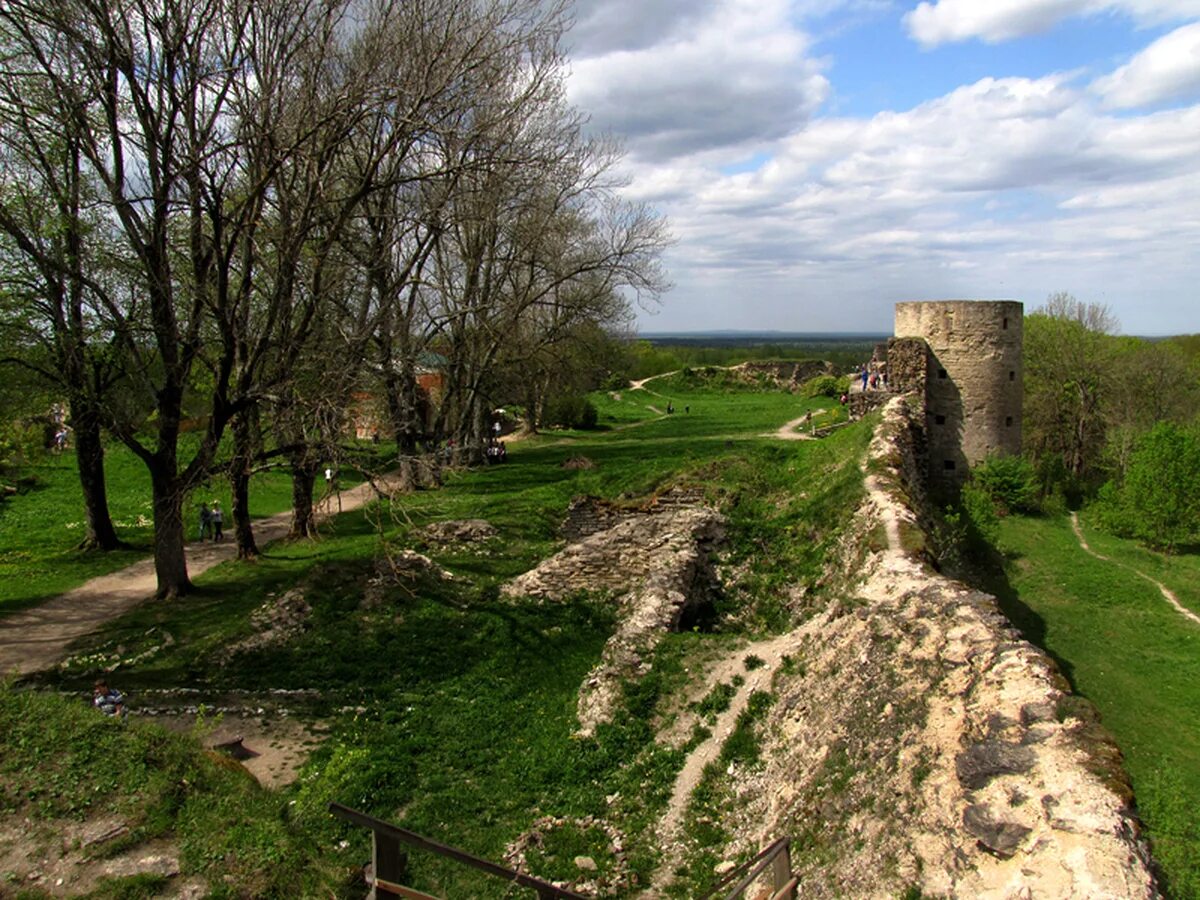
point(41, 528)
point(450, 712)
point(1127, 650)
point(160, 784)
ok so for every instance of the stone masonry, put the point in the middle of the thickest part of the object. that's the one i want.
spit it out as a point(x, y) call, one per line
point(972, 388)
point(657, 562)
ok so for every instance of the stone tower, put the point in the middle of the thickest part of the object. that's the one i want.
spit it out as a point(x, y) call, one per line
point(972, 380)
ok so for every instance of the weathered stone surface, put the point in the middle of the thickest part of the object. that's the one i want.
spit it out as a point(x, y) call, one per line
point(921, 738)
point(276, 622)
point(657, 562)
point(996, 835)
point(460, 531)
point(980, 763)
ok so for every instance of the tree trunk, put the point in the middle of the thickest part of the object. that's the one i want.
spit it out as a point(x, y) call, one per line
point(239, 482)
point(89, 452)
point(170, 562)
point(304, 522)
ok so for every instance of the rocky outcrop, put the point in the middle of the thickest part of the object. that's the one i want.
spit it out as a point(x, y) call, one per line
point(657, 563)
point(277, 622)
point(921, 743)
point(458, 531)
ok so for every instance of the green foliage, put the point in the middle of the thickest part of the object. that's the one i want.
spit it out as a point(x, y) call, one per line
point(1010, 482)
point(1161, 492)
point(22, 445)
point(825, 386)
point(966, 531)
point(574, 411)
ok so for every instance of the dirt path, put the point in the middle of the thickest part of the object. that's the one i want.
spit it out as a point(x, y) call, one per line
point(789, 430)
point(36, 639)
point(670, 837)
point(1167, 593)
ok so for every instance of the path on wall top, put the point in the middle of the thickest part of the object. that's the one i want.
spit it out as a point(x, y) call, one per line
point(1163, 589)
point(36, 639)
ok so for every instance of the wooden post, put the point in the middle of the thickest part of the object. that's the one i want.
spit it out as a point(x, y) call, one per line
point(781, 874)
point(389, 863)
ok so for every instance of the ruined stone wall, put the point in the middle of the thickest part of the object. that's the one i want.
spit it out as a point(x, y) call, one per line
point(923, 745)
point(973, 383)
point(907, 366)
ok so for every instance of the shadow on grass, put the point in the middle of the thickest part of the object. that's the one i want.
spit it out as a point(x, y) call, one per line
point(1028, 622)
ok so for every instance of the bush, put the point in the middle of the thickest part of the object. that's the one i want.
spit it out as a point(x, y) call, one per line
point(1162, 487)
point(1010, 482)
point(825, 386)
point(20, 444)
point(572, 412)
point(968, 529)
point(1109, 511)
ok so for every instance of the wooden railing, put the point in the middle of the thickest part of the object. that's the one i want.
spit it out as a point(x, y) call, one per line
point(778, 856)
point(388, 860)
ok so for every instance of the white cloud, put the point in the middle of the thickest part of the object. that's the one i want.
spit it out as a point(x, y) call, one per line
point(1168, 69)
point(944, 21)
point(740, 73)
point(1006, 187)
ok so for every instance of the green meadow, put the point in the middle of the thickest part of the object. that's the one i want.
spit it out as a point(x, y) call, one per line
point(450, 712)
point(1123, 647)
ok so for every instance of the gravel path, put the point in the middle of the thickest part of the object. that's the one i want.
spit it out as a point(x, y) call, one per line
point(36, 639)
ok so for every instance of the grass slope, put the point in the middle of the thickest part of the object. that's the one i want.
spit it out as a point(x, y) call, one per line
point(450, 712)
point(1124, 648)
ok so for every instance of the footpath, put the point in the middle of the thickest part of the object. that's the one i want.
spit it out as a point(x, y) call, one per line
point(37, 639)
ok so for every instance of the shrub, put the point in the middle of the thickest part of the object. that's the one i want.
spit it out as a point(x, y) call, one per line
point(1010, 482)
point(823, 386)
point(1162, 486)
point(573, 411)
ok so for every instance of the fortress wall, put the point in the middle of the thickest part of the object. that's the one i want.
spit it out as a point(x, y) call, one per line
point(923, 743)
point(973, 383)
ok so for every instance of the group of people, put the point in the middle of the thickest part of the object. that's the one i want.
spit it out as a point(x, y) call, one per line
point(876, 378)
point(495, 452)
point(212, 521)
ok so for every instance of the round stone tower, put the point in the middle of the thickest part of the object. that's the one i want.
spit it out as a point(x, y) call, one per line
point(973, 386)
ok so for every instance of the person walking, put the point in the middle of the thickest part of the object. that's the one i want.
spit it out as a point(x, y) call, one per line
point(205, 521)
point(218, 521)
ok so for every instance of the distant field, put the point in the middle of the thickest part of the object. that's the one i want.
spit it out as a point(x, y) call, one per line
point(1125, 649)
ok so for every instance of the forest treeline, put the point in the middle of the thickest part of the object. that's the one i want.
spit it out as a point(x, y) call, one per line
point(1109, 420)
point(245, 217)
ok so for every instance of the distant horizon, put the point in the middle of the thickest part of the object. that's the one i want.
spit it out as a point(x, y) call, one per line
point(778, 334)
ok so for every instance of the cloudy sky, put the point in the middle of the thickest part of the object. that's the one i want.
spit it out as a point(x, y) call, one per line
point(821, 159)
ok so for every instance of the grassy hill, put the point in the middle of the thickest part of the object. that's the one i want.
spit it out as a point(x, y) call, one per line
point(450, 712)
point(446, 710)
point(1127, 650)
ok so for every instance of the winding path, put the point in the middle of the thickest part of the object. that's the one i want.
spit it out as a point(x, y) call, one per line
point(36, 639)
point(1167, 593)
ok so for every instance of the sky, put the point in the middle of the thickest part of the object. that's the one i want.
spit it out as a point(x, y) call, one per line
point(820, 160)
